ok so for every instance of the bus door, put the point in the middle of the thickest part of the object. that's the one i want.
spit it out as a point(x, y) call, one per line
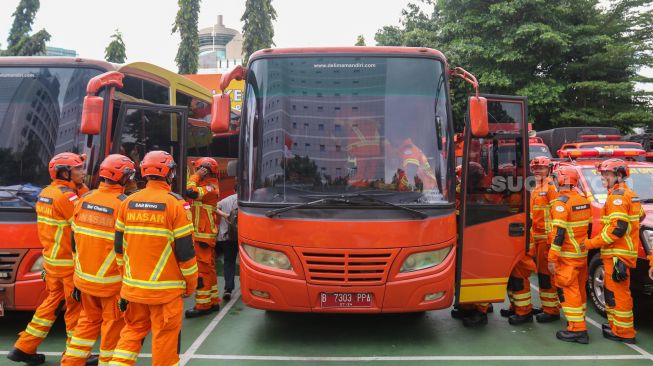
point(493, 233)
point(141, 128)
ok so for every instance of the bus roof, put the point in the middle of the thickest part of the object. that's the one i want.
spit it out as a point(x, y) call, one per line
point(350, 50)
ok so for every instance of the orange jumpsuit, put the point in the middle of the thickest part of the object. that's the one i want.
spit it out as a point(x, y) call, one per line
point(54, 210)
point(205, 221)
point(619, 239)
point(96, 275)
point(413, 155)
point(363, 147)
point(154, 243)
point(570, 222)
point(542, 197)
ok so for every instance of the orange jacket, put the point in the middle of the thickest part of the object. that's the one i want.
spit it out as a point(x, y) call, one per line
point(620, 219)
point(54, 210)
point(205, 216)
point(154, 242)
point(94, 222)
point(570, 222)
point(542, 198)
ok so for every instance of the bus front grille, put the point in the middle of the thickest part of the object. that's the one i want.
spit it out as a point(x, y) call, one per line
point(352, 267)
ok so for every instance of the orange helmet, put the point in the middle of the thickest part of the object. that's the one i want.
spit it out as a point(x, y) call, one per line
point(540, 161)
point(64, 161)
point(208, 163)
point(616, 166)
point(567, 175)
point(116, 166)
point(157, 163)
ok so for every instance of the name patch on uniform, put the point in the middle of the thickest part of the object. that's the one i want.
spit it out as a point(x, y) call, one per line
point(97, 208)
point(147, 206)
point(45, 200)
point(580, 207)
point(560, 209)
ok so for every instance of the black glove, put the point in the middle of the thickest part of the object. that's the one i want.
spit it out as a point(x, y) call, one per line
point(76, 295)
point(43, 275)
point(122, 305)
point(620, 271)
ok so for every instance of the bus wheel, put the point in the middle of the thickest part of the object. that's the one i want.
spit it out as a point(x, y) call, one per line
point(595, 284)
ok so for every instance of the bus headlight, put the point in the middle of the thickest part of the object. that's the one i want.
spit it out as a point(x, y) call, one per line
point(424, 260)
point(269, 258)
point(37, 266)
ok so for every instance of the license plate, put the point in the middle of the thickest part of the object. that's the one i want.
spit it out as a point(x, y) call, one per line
point(345, 300)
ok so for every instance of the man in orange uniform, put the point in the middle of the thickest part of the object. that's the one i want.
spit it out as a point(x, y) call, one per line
point(619, 241)
point(54, 210)
point(542, 197)
point(568, 254)
point(96, 273)
point(203, 189)
point(154, 242)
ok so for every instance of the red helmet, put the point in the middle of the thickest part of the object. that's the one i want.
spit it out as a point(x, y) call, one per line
point(157, 163)
point(567, 175)
point(208, 163)
point(540, 161)
point(64, 161)
point(616, 166)
point(117, 166)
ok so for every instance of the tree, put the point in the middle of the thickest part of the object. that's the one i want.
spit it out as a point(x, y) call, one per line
point(186, 21)
point(19, 42)
point(576, 61)
point(115, 51)
point(258, 31)
point(360, 40)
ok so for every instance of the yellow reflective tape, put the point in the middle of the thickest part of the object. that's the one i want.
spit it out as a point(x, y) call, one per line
point(82, 341)
point(161, 263)
point(77, 353)
point(42, 322)
point(98, 279)
point(623, 314)
point(189, 271)
point(551, 304)
point(521, 296)
point(127, 355)
point(106, 353)
point(118, 363)
point(203, 301)
point(182, 231)
point(59, 262)
point(94, 233)
point(622, 324)
point(153, 285)
point(106, 264)
point(522, 302)
point(549, 295)
point(120, 225)
point(57, 242)
point(145, 230)
point(203, 292)
point(205, 235)
point(53, 222)
point(35, 332)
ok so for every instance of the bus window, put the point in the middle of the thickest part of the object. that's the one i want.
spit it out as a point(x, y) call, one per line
point(145, 90)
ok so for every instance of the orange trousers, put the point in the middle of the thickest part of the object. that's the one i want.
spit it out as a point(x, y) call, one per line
point(519, 286)
point(100, 317)
point(481, 307)
point(571, 279)
point(206, 294)
point(58, 289)
point(548, 290)
point(618, 303)
point(163, 320)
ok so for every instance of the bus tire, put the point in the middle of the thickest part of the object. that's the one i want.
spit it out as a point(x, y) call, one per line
point(595, 284)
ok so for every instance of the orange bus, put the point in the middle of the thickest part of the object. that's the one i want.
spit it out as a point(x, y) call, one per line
point(347, 187)
point(41, 102)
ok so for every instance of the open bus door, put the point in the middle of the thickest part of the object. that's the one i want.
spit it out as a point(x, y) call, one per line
point(141, 128)
point(494, 204)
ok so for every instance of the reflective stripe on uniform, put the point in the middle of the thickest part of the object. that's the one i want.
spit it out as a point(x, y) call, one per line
point(93, 232)
point(189, 271)
point(183, 231)
point(127, 355)
point(35, 332)
point(153, 285)
point(151, 231)
point(163, 260)
point(97, 279)
point(42, 322)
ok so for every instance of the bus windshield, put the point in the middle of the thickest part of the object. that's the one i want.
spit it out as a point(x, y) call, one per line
point(40, 111)
point(640, 181)
point(346, 124)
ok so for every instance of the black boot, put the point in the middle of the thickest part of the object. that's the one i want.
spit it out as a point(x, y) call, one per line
point(33, 359)
point(537, 311)
point(458, 313)
point(520, 319)
point(605, 326)
point(215, 308)
point(490, 308)
point(475, 320)
point(227, 295)
point(92, 360)
point(546, 317)
point(195, 313)
point(506, 313)
point(568, 336)
point(607, 333)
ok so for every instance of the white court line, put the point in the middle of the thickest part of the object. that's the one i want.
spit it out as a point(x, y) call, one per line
point(207, 331)
point(420, 358)
point(4, 353)
point(596, 324)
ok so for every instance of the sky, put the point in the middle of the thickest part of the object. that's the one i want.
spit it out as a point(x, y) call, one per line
point(86, 25)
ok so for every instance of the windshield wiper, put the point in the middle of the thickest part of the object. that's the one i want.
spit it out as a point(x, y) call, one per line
point(345, 197)
point(272, 213)
point(15, 193)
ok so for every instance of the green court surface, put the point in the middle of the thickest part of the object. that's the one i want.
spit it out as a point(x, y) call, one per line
point(238, 335)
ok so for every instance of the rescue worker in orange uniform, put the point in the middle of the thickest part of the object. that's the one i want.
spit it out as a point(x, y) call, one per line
point(96, 273)
point(416, 166)
point(619, 242)
point(363, 151)
point(568, 254)
point(54, 210)
point(204, 189)
point(154, 242)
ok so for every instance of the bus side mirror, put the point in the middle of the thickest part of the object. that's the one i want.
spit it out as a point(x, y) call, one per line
point(220, 113)
point(478, 122)
point(237, 73)
point(92, 115)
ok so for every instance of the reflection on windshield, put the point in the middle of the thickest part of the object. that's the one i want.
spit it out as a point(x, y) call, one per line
point(345, 124)
point(40, 110)
point(640, 181)
point(535, 151)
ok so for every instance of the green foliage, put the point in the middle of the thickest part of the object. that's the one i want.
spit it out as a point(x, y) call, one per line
point(19, 42)
point(575, 60)
point(258, 31)
point(360, 40)
point(186, 23)
point(115, 51)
